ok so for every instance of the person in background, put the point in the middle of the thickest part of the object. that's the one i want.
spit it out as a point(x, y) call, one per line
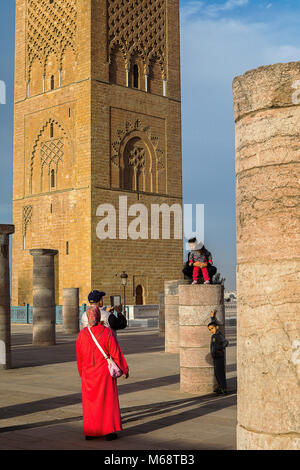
point(201, 260)
point(108, 317)
point(100, 401)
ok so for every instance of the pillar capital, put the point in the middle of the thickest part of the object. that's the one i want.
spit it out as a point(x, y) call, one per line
point(6, 229)
point(43, 252)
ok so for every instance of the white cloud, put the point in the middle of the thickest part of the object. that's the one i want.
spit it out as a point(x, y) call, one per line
point(199, 8)
point(214, 9)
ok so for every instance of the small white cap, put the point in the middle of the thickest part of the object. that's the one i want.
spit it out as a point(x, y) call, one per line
point(196, 245)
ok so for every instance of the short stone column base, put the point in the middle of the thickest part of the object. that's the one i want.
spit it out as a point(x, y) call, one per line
point(196, 364)
point(44, 315)
point(172, 316)
point(70, 310)
point(161, 304)
point(5, 332)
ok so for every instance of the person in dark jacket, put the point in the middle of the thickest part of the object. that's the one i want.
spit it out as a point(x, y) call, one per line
point(217, 349)
point(199, 261)
point(110, 320)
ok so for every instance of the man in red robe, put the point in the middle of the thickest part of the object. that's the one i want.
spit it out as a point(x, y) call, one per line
point(100, 401)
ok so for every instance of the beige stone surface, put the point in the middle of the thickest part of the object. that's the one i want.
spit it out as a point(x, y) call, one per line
point(200, 315)
point(264, 88)
point(198, 380)
point(196, 365)
point(161, 303)
point(172, 315)
point(194, 336)
point(201, 295)
point(196, 357)
point(248, 440)
point(268, 253)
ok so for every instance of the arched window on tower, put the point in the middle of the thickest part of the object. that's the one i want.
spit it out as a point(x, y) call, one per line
point(51, 130)
point(52, 82)
point(136, 77)
point(52, 183)
point(139, 295)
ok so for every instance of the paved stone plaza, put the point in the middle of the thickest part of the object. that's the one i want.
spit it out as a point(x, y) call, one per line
point(40, 398)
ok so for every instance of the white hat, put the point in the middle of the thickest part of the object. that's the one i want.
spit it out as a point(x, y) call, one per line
point(195, 245)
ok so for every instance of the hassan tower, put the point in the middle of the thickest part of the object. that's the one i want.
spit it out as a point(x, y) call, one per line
point(97, 121)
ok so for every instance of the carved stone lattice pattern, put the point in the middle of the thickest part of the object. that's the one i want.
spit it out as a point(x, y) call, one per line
point(27, 218)
point(138, 27)
point(50, 27)
point(132, 128)
point(136, 157)
point(52, 153)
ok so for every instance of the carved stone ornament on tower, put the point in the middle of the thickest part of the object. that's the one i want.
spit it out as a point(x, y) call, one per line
point(138, 28)
point(137, 156)
point(50, 28)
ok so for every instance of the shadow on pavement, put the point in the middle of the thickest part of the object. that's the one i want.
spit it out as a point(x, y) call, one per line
point(198, 406)
point(74, 399)
point(24, 354)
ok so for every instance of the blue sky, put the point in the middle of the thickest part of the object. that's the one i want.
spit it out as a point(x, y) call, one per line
point(219, 40)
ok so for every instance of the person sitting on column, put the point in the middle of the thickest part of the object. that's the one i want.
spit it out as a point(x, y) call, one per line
point(201, 260)
point(108, 317)
point(217, 349)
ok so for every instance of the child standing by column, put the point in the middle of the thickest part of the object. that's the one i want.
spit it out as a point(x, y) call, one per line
point(217, 350)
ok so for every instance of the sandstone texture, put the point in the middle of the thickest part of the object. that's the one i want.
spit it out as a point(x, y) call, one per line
point(172, 316)
point(5, 327)
point(196, 365)
point(70, 310)
point(267, 116)
point(44, 315)
point(161, 304)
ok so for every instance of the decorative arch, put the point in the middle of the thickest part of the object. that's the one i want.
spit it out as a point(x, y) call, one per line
point(139, 295)
point(137, 158)
point(68, 64)
point(117, 66)
point(52, 149)
point(136, 164)
point(36, 72)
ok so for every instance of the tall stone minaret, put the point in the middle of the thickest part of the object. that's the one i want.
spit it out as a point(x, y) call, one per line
point(97, 117)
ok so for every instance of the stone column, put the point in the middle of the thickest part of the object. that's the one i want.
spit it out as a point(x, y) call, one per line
point(267, 115)
point(70, 310)
point(196, 364)
point(43, 297)
point(161, 306)
point(172, 316)
point(5, 353)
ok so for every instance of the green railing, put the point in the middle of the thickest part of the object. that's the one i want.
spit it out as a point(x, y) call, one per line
point(25, 314)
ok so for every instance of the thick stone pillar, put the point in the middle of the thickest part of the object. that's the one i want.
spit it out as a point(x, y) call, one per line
point(267, 115)
point(196, 364)
point(5, 353)
point(172, 316)
point(43, 297)
point(161, 306)
point(70, 310)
